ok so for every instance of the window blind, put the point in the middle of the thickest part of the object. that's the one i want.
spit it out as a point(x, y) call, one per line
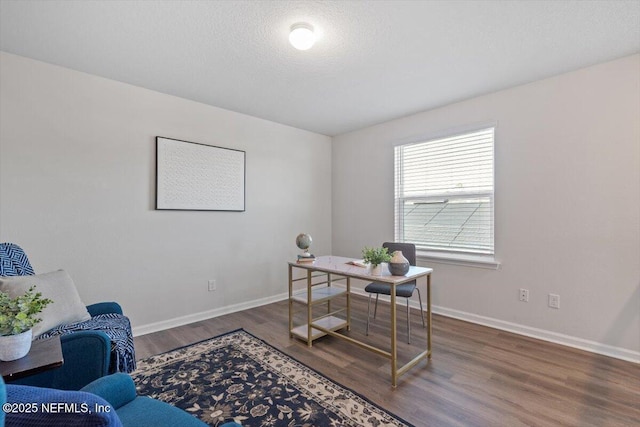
point(444, 193)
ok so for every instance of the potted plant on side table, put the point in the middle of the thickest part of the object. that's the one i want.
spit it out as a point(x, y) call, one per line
point(375, 257)
point(17, 318)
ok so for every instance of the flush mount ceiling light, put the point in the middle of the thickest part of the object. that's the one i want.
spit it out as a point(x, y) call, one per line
point(301, 36)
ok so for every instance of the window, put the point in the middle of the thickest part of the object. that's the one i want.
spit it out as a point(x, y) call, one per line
point(444, 193)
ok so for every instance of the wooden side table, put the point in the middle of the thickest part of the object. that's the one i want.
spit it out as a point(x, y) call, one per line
point(44, 355)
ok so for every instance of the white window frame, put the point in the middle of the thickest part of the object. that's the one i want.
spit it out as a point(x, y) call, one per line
point(467, 258)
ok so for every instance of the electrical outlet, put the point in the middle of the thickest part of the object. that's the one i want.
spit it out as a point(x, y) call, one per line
point(524, 295)
point(554, 301)
point(212, 285)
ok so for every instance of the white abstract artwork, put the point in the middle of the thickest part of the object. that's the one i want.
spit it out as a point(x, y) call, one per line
point(192, 176)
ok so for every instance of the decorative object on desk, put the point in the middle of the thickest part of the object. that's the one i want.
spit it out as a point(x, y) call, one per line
point(358, 263)
point(303, 241)
point(310, 258)
point(399, 265)
point(17, 318)
point(238, 377)
point(375, 257)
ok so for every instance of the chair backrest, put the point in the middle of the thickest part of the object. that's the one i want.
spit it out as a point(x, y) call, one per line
point(408, 250)
point(13, 261)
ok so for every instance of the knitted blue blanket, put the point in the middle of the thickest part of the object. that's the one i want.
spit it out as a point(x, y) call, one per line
point(117, 327)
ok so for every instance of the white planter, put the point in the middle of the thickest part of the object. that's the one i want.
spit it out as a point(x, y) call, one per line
point(13, 347)
point(376, 270)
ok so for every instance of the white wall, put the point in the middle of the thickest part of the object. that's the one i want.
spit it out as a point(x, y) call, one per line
point(77, 169)
point(567, 206)
point(77, 191)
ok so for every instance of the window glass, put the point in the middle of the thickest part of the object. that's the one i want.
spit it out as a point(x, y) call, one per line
point(444, 193)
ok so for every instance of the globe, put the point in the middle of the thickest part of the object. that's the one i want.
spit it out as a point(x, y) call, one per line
point(303, 241)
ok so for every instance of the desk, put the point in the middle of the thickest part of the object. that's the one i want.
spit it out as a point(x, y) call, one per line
point(328, 324)
point(45, 354)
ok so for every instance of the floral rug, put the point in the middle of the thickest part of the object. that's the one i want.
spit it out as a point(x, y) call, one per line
point(238, 377)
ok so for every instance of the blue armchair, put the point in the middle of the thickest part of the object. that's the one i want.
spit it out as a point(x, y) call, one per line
point(91, 349)
point(111, 401)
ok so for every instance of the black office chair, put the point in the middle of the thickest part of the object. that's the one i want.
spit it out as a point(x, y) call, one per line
point(404, 290)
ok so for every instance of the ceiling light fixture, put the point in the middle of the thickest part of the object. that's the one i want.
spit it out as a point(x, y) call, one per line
point(301, 36)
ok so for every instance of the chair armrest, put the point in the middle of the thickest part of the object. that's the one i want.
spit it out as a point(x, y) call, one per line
point(86, 357)
point(117, 389)
point(104, 308)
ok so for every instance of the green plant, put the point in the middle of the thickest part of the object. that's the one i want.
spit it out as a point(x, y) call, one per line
point(18, 315)
point(376, 256)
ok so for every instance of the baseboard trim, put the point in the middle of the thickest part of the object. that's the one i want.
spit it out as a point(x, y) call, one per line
point(204, 315)
point(554, 337)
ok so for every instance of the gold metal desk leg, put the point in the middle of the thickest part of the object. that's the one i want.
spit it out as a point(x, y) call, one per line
point(290, 301)
point(394, 347)
point(429, 315)
point(309, 310)
point(329, 285)
point(348, 303)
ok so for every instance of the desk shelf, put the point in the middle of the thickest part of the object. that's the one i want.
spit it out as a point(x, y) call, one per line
point(331, 322)
point(316, 293)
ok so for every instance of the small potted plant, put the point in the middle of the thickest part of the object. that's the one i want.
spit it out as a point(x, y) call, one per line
point(17, 318)
point(375, 257)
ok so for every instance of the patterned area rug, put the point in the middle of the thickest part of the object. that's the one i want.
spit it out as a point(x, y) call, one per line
point(238, 377)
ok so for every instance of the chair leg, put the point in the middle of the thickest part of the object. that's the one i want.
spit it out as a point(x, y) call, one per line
point(408, 323)
point(368, 311)
point(375, 310)
point(421, 310)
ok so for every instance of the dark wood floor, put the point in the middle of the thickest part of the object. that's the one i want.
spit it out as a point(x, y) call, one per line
point(478, 376)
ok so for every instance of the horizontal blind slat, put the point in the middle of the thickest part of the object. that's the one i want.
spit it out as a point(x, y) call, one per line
point(452, 168)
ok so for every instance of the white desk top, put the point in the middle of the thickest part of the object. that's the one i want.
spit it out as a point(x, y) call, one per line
point(338, 265)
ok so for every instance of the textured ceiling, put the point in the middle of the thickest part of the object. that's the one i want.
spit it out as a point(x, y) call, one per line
point(374, 61)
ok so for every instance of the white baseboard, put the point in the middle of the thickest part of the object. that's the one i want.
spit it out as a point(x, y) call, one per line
point(554, 337)
point(582, 344)
point(568, 340)
point(204, 315)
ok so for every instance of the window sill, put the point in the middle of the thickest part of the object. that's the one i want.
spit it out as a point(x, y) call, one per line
point(479, 261)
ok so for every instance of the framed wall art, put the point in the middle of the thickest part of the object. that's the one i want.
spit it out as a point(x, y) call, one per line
point(193, 176)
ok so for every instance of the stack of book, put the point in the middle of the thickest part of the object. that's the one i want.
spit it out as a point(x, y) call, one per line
point(306, 258)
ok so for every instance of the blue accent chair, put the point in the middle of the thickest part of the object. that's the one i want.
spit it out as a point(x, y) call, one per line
point(87, 354)
point(113, 396)
point(39, 407)
point(3, 400)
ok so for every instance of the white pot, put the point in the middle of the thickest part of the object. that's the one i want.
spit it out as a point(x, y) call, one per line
point(13, 347)
point(375, 270)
